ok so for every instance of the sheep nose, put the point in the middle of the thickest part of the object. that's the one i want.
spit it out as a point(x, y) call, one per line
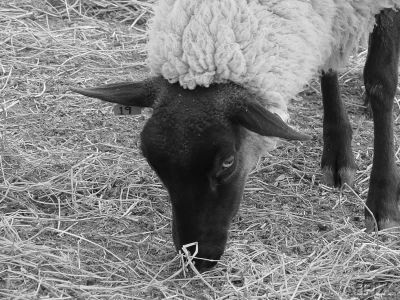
point(203, 265)
point(206, 256)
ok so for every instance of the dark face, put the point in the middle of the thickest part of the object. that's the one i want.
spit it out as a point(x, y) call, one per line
point(197, 153)
point(202, 144)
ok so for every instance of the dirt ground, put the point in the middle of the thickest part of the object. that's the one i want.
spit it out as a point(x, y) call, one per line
point(82, 215)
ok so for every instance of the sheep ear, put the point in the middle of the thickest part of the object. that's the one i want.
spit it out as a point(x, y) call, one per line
point(256, 118)
point(136, 94)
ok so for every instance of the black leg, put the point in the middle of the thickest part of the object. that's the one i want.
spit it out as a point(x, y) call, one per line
point(381, 77)
point(337, 161)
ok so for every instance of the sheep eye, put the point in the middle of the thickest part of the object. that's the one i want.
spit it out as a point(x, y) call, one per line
point(227, 163)
point(225, 169)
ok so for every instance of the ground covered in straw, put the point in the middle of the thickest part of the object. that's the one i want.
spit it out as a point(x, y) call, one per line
point(84, 217)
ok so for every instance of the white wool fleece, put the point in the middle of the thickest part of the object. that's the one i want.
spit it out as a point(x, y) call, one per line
point(272, 47)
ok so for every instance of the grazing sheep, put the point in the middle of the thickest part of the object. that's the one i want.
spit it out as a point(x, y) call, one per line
point(224, 71)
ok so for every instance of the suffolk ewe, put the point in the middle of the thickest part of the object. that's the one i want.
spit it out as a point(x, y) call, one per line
point(224, 71)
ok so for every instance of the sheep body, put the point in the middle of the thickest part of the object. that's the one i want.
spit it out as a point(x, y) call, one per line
point(272, 47)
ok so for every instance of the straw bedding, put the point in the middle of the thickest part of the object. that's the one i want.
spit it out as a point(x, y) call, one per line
point(82, 216)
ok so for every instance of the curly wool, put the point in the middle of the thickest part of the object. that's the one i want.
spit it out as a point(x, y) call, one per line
point(272, 47)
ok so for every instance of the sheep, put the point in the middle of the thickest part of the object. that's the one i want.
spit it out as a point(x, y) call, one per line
point(223, 74)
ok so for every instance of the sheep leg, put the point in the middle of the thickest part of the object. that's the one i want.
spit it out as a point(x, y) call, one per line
point(380, 78)
point(337, 161)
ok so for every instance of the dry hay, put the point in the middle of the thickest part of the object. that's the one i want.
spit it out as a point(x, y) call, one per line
point(84, 217)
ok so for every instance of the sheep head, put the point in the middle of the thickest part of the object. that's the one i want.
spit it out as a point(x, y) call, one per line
point(199, 143)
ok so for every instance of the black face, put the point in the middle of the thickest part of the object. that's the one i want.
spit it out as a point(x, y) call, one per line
point(202, 144)
point(195, 151)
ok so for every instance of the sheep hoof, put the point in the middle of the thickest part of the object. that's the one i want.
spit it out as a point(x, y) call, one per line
point(337, 161)
point(386, 224)
point(383, 203)
point(340, 177)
